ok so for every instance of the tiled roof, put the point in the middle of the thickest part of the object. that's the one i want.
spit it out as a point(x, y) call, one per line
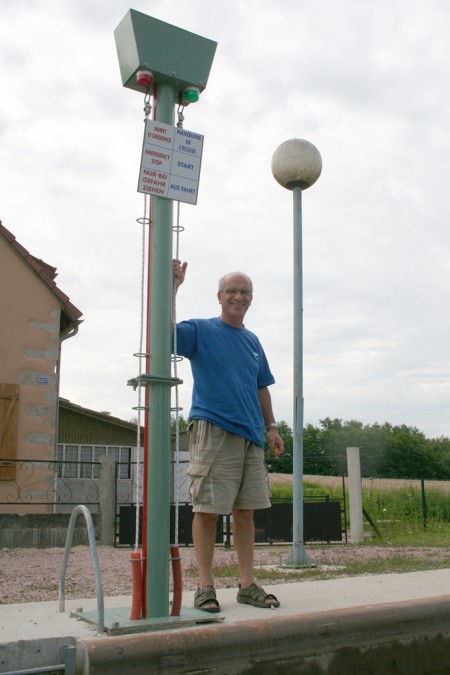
point(47, 274)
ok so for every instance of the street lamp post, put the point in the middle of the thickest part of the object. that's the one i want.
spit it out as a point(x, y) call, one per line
point(296, 165)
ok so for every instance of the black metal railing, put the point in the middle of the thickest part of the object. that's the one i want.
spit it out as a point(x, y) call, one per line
point(39, 482)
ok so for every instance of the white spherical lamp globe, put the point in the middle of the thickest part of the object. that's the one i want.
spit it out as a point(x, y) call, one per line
point(296, 163)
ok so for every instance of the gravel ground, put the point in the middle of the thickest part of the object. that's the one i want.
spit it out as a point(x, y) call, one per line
point(32, 575)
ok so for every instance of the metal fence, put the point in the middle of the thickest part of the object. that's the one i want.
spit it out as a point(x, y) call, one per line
point(387, 502)
point(325, 517)
point(40, 482)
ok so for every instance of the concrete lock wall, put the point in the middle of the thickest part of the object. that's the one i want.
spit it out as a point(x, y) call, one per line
point(401, 638)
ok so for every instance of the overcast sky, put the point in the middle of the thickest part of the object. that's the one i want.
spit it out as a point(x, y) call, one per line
point(367, 83)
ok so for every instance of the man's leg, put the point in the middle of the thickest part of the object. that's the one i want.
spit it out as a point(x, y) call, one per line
point(244, 543)
point(243, 540)
point(204, 537)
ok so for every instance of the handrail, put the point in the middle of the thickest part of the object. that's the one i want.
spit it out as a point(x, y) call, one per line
point(82, 510)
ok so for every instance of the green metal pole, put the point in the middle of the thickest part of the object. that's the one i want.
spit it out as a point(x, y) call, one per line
point(158, 471)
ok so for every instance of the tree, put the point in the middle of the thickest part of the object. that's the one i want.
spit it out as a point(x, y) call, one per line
point(441, 450)
point(385, 450)
point(410, 455)
point(183, 424)
point(315, 460)
point(282, 464)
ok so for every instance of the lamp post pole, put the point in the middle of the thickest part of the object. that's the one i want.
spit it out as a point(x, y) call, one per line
point(298, 555)
point(296, 165)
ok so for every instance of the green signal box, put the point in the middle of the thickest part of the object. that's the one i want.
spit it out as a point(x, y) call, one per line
point(172, 54)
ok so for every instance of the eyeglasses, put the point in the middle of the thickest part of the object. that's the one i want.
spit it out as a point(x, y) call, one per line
point(233, 291)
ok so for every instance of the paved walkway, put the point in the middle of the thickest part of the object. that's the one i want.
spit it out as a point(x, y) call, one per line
point(41, 620)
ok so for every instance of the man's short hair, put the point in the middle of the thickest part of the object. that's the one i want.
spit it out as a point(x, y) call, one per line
point(229, 274)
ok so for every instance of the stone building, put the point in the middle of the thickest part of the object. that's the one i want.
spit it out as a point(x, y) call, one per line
point(35, 319)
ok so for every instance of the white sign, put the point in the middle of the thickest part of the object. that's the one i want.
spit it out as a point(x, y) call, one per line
point(170, 164)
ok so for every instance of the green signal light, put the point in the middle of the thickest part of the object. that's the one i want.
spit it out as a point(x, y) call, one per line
point(191, 94)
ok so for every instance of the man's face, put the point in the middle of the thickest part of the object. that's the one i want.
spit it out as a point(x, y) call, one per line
point(235, 298)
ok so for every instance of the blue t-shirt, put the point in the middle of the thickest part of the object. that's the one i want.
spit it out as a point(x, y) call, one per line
point(229, 366)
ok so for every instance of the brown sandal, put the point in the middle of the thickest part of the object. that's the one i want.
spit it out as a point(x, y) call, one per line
point(206, 596)
point(257, 596)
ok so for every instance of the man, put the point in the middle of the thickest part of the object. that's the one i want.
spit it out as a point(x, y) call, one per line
point(231, 406)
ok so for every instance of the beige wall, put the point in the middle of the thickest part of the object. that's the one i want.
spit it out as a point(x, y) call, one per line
point(29, 347)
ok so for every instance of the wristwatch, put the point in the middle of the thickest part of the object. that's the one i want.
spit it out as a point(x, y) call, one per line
point(272, 425)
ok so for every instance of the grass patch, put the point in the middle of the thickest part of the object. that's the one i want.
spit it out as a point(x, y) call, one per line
point(410, 534)
point(397, 562)
point(394, 564)
point(402, 517)
point(281, 491)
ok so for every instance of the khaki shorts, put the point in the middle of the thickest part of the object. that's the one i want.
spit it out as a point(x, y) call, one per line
point(225, 471)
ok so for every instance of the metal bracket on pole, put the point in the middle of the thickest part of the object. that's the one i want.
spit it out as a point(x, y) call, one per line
point(146, 379)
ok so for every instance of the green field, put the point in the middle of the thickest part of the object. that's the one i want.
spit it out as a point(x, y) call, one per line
point(399, 515)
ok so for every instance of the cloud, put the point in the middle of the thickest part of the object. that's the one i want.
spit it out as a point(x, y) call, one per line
point(367, 85)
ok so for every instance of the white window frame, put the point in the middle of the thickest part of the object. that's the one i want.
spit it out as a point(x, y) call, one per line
point(80, 459)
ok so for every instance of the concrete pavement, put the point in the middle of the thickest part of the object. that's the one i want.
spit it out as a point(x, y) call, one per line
point(30, 633)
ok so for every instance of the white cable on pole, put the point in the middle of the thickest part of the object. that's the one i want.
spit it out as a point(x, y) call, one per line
point(177, 229)
point(144, 221)
point(175, 359)
point(141, 355)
